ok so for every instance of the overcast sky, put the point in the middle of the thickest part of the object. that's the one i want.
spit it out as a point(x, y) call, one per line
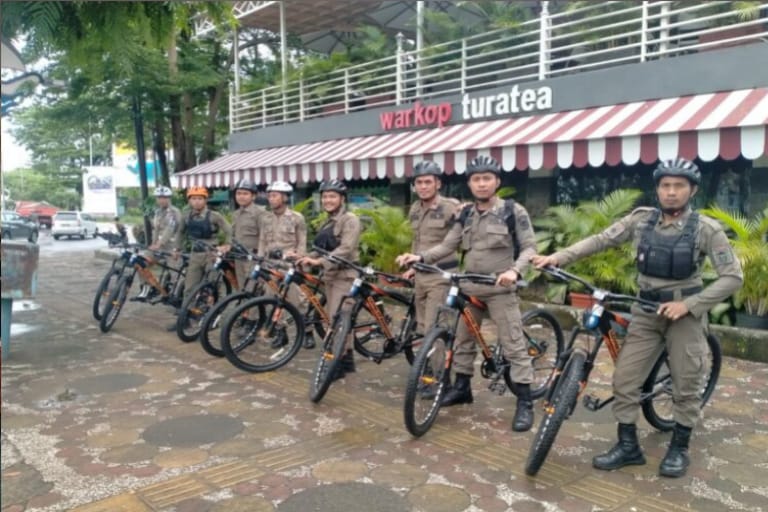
point(13, 156)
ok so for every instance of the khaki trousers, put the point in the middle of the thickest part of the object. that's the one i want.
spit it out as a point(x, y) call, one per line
point(647, 336)
point(198, 261)
point(429, 294)
point(337, 285)
point(504, 311)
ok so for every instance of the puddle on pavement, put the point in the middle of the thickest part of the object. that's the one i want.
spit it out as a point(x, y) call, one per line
point(25, 305)
point(17, 329)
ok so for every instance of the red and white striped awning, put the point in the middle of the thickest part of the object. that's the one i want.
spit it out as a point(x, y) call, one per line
point(704, 126)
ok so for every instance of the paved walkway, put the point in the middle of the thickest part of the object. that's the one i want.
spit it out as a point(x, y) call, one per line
point(135, 420)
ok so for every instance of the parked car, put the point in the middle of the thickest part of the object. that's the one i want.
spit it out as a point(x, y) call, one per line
point(17, 227)
point(74, 224)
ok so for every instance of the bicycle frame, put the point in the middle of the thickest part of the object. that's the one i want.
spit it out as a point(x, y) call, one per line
point(309, 286)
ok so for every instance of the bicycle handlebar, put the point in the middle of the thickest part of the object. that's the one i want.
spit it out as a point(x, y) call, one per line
point(598, 293)
point(363, 271)
point(488, 279)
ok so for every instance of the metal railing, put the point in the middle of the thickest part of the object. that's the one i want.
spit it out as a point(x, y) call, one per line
point(600, 35)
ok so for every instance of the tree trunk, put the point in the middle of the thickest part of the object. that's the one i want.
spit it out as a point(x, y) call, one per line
point(158, 145)
point(174, 101)
point(187, 127)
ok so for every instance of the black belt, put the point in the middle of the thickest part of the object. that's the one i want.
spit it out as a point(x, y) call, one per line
point(448, 265)
point(668, 295)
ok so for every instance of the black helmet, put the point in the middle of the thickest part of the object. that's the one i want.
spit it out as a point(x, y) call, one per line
point(427, 168)
point(678, 167)
point(246, 185)
point(334, 186)
point(483, 164)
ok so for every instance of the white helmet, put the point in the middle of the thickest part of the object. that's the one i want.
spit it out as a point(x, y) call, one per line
point(163, 192)
point(280, 186)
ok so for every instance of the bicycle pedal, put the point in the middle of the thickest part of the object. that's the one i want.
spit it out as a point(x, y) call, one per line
point(498, 387)
point(592, 403)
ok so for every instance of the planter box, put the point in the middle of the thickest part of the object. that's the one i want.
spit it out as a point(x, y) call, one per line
point(751, 321)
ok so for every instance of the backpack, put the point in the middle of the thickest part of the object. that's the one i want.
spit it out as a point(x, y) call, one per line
point(509, 215)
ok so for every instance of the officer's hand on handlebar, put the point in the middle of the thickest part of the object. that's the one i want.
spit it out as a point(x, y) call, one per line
point(406, 259)
point(540, 261)
point(508, 278)
point(176, 254)
point(409, 274)
point(312, 262)
point(224, 249)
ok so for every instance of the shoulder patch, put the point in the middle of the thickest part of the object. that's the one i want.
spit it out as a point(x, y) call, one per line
point(723, 255)
point(523, 221)
point(615, 230)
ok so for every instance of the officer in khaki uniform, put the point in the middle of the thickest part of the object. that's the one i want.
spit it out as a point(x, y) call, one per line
point(432, 216)
point(246, 222)
point(284, 231)
point(671, 244)
point(341, 236)
point(165, 225)
point(203, 224)
point(487, 245)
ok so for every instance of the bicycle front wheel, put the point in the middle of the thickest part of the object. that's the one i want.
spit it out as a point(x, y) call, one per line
point(657, 399)
point(210, 327)
point(114, 305)
point(544, 339)
point(107, 284)
point(194, 308)
point(334, 344)
point(564, 398)
point(426, 381)
point(262, 335)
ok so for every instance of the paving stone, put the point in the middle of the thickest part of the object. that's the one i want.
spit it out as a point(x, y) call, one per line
point(130, 454)
point(438, 498)
point(243, 504)
point(192, 430)
point(108, 383)
point(340, 471)
point(400, 475)
point(345, 496)
point(180, 457)
point(113, 438)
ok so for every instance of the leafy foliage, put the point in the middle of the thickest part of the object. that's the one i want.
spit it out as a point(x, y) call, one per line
point(386, 234)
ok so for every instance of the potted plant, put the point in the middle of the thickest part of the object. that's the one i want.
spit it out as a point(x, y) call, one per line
point(564, 225)
point(387, 234)
point(748, 237)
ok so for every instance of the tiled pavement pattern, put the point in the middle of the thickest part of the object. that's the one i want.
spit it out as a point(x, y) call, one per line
point(135, 420)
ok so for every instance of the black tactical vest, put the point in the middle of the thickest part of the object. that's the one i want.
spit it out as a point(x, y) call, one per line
point(668, 257)
point(200, 228)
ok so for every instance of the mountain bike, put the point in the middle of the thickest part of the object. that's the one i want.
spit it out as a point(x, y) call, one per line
point(262, 277)
point(119, 265)
point(604, 327)
point(265, 333)
point(427, 381)
point(219, 281)
point(361, 314)
point(171, 279)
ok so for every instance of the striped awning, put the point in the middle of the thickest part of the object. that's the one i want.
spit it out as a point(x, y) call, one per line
point(704, 126)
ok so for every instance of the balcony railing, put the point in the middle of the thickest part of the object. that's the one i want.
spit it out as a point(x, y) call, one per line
point(600, 35)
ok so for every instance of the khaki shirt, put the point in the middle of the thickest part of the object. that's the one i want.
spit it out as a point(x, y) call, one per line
point(430, 224)
point(246, 222)
point(346, 229)
point(486, 242)
point(286, 232)
point(710, 242)
point(220, 225)
point(165, 226)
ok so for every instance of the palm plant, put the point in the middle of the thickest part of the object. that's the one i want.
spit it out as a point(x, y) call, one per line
point(564, 225)
point(748, 237)
point(387, 234)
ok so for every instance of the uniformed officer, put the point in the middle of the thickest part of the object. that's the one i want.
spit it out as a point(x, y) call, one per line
point(488, 247)
point(284, 231)
point(204, 224)
point(432, 216)
point(246, 222)
point(340, 235)
point(671, 243)
point(165, 226)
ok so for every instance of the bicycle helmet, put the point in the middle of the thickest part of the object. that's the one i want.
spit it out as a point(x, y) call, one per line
point(334, 186)
point(246, 185)
point(280, 186)
point(678, 167)
point(483, 164)
point(163, 192)
point(197, 191)
point(427, 168)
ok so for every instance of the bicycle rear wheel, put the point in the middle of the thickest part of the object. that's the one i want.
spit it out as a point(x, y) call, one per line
point(114, 305)
point(262, 335)
point(107, 284)
point(369, 340)
point(210, 327)
point(544, 338)
point(330, 356)
point(564, 398)
point(427, 379)
point(201, 299)
point(657, 401)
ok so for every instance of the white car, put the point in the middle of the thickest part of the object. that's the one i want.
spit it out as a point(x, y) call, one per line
point(74, 224)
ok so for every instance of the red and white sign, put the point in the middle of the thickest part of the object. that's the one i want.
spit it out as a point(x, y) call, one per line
point(419, 115)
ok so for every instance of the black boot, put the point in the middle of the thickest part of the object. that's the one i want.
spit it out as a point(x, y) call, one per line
point(460, 392)
point(309, 340)
point(675, 462)
point(523, 420)
point(626, 452)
